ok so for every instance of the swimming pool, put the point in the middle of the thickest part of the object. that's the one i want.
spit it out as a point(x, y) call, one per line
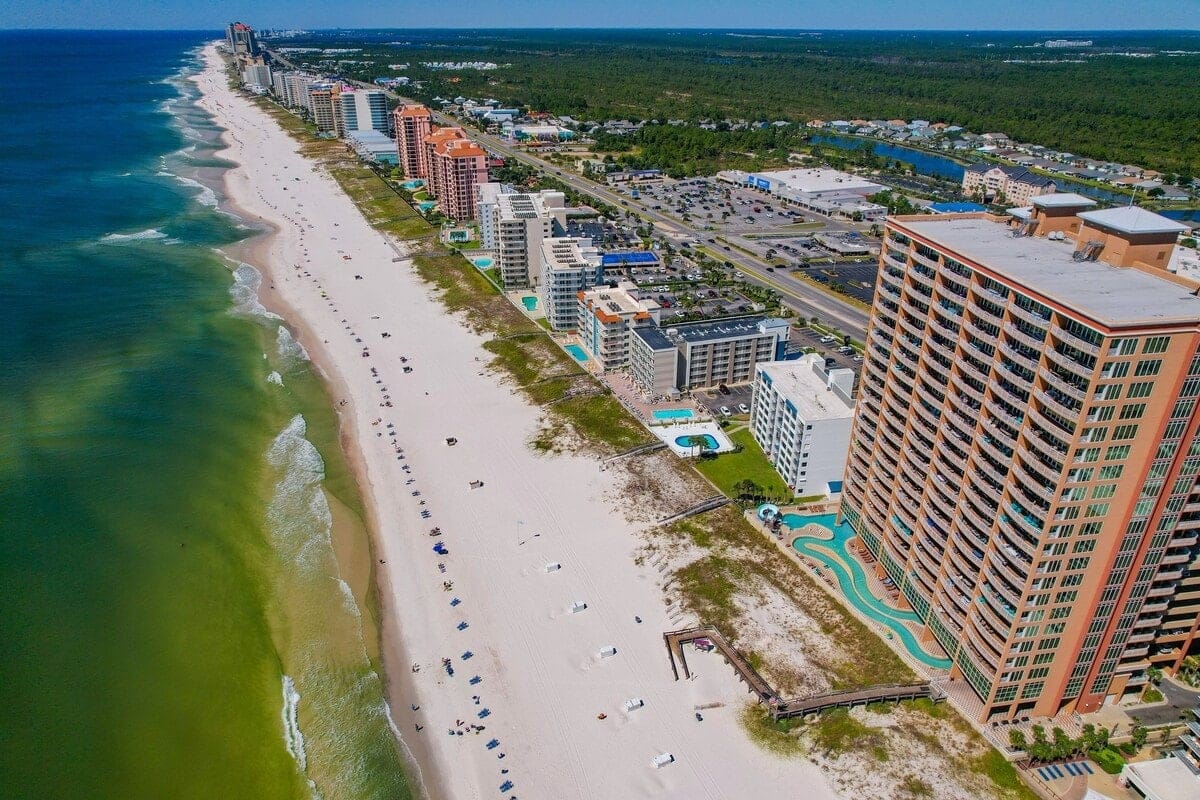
point(853, 583)
point(425, 205)
point(577, 352)
point(483, 262)
point(673, 413)
point(710, 441)
point(412, 185)
point(530, 302)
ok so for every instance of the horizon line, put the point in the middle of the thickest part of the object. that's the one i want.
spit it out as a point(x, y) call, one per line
point(626, 28)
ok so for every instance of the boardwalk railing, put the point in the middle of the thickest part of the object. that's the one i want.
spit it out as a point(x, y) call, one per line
point(708, 505)
point(872, 694)
point(746, 673)
point(780, 708)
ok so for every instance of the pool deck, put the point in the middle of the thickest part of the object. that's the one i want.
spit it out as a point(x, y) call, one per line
point(829, 583)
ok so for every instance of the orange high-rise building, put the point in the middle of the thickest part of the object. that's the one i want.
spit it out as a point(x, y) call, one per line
point(1026, 450)
point(460, 166)
point(412, 124)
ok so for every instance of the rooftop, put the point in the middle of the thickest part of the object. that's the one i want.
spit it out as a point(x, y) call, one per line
point(1164, 778)
point(1131, 219)
point(718, 329)
point(818, 180)
point(1110, 295)
point(654, 338)
point(1062, 200)
point(800, 383)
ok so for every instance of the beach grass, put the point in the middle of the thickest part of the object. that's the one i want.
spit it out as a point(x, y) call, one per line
point(738, 562)
point(776, 737)
point(725, 470)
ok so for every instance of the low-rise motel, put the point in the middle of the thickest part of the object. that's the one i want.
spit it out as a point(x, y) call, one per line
point(1025, 458)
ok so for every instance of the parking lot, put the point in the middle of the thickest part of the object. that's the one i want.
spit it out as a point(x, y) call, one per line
point(714, 399)
point(856, 279)
point(804, 338)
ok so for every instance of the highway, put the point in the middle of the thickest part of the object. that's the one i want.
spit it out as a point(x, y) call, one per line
point(806, 301)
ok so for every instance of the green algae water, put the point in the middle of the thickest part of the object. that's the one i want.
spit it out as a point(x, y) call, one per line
point(180, 617)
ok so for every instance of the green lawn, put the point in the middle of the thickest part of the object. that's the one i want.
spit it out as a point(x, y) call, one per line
point(726, 469)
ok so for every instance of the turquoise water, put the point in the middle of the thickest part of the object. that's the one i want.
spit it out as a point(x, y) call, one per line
point(577, 352)
point(530, 302)
point(483, 262)
point(412, 185)
point(710, 441)
point(426, 205)
point(673, 413)
point(181, 617)
point(854, 584)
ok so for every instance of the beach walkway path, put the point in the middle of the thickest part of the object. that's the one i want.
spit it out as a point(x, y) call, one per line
point(780, 708)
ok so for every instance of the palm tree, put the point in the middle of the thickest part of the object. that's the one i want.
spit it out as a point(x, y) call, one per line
point(700, 442)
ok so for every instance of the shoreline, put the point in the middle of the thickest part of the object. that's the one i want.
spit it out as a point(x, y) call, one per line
point(543, 595)
point(386, 646)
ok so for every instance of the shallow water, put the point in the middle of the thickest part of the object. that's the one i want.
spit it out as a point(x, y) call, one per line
point(175, 621)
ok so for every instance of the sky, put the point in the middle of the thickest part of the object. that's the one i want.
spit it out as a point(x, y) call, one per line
point(1043, 15)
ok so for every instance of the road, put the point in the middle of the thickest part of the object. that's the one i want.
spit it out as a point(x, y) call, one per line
point(806, 301)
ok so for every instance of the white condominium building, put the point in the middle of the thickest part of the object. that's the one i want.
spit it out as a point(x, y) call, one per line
point(801, 415)
point(364, 110)
point(487, 195)
point(519, 223)
point(569, 266)
point(257, 75)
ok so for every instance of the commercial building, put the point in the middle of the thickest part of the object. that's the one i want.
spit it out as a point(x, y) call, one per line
point(412, 124)
point(240, 39)
point(823, 191)
point(517, 223)
point(606, 316)
point(681, 358)
point(800, 414)
point(569, 265)
point(364, 110)
point(1025, 453)
point(1005, 184)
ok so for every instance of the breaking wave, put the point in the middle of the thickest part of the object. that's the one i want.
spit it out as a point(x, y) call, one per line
point(244, 291)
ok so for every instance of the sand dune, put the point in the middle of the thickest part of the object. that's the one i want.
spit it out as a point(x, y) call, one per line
point(542, 678)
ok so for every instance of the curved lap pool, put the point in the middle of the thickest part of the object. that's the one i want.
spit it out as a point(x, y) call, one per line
point(852, 581)
point(530, 302)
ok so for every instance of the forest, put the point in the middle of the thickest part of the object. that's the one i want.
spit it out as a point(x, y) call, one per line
point(1130, 97)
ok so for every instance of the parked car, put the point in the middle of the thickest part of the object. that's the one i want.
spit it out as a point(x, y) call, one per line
point(846, 350)
point(742, 407)
point(725, 412)
point(826, 339)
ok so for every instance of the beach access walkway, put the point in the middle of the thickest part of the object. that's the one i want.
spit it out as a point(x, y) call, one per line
point(780, 708)
point(715, 501)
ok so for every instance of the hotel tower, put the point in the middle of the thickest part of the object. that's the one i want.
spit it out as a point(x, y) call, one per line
point(1025, 456)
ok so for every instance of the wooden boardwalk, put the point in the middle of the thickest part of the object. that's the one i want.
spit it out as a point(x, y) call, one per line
point(747, 674)
point(884, 693)
point(780, 708)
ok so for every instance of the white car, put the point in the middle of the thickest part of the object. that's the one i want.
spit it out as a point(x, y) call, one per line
point(725, 412)
point(826, 339)
point(742, 407)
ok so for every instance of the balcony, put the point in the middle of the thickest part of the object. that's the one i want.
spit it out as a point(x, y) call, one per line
point(985, 315)
point(946, 453)
point(958, 284)
point(1075, 341)
point(923, 281)
point(908, 326)
point(1028, 316)
point(1008, 392)
point(1021, 336)
point(892, 277)
point(1028, 460)
point(1021, 529)
point(1077, 392)
point(1058, 402)
point(1056, 427)
point(947, 331)
point(1017, 357)
point(1076, 368)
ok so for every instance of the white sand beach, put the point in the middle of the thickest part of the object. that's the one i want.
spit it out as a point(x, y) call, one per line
point(541, 679)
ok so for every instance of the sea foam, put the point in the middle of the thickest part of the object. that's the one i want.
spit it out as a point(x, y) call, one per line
point(117, 238)
point(292, 737)
point(244, 291)
point(290, 350)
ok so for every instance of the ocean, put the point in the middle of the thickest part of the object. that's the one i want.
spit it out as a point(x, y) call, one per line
point(185, 578)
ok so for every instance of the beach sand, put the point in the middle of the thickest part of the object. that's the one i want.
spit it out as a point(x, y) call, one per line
point(542, 681)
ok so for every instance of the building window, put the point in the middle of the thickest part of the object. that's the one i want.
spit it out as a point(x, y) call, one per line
point(1156, 344)
point(1122, 432)
point(1148, 367)
point(1140, 389)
